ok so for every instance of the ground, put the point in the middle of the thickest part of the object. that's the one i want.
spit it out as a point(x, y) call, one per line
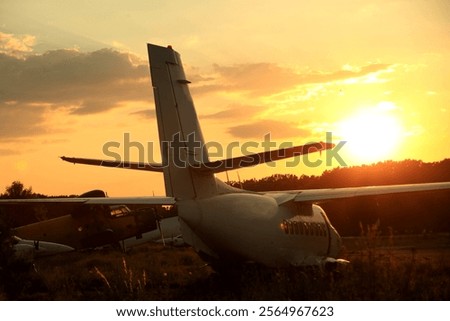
point(382, 268)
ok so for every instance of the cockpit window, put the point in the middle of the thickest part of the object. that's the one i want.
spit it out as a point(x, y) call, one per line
point(120, 210)
point(296, 227)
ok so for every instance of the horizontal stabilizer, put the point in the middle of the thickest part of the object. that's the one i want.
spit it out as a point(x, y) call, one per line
point(215, 166)
point(116, 164)
point(263, 157)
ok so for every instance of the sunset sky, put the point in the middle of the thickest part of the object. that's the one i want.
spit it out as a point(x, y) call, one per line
point(74, 76)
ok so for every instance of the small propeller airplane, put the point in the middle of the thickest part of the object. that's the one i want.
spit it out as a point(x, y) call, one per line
point(223, 223)
point(89, 226)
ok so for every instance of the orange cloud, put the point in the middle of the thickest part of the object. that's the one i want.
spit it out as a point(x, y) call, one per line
point(235, 112)
point(69, 77)
point(277, 130)
point(80, 83)
point(264, 79)
point(93, 82)
point(16, 46)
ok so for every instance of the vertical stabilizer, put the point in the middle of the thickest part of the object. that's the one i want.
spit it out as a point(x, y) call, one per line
point(181, 139)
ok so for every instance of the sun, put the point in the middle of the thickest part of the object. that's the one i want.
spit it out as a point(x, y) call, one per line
point(372, 134)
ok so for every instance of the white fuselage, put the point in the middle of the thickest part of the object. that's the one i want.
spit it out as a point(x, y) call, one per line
point(254, 227)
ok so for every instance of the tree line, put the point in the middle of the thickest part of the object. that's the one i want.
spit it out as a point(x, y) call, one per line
point(402, 213)
point(382, 173)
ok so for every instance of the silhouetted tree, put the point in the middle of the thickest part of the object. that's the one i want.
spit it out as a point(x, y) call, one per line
point(17, 190)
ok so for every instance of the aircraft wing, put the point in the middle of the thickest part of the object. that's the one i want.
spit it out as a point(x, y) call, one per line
point(145, 200)
point(321, 195)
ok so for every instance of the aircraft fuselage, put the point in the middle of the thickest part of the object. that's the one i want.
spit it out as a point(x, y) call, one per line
point(255, 227)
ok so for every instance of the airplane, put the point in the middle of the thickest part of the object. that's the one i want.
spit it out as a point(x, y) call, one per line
point(224, 224)
point(89, 226)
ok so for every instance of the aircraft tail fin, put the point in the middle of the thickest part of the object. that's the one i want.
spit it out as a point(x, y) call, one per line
point(181, 139)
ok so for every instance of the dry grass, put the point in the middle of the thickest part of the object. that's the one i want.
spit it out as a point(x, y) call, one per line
point(388, 270)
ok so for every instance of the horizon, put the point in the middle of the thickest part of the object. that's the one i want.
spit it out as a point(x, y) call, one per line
point(300, 177)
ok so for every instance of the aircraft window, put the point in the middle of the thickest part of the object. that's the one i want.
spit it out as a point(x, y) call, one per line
point(297, 228)
point(301, 228)
point(323, 229)
point(120, 210)
point(291, 228)
point(286, 227)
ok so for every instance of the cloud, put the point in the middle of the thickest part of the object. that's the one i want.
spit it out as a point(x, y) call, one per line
point(8, 152)
point(264, 79)
point(235, 112)
point(260, 128)
point(76, 82)
point(16, 45)
point(259, 79)
point(93, 82)
point(145, 113)
point(83, 83)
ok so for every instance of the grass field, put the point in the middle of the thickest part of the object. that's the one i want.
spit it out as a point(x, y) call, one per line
point(395, 268)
